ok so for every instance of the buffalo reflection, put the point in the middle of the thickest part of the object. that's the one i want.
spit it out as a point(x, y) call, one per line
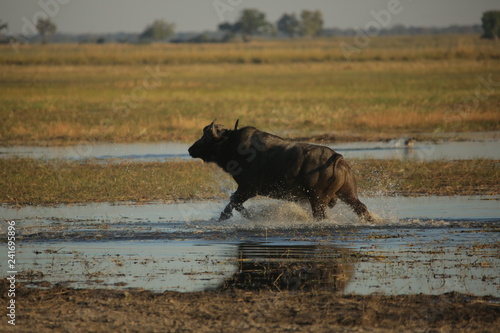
point(291, 267)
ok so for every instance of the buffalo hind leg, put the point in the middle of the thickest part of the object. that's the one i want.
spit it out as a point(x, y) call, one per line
point(332, 202)
point(318, 207)
point(348, 193)
point(358, 207)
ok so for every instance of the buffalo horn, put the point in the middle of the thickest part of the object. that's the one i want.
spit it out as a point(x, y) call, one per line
point(236, 125)
point(212, 129)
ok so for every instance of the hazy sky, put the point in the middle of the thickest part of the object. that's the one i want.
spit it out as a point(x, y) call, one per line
point(100, 16)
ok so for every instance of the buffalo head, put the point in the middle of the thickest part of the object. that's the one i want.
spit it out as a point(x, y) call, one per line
point(206, 147)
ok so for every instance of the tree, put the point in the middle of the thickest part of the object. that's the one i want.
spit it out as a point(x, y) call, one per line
point(230, 29)
point(2, 27)
point(491, 24)
point(250, 23)
point(312, 23)
point(45, 28)
point(289, 25)
point(158, 30)
point(253, 21)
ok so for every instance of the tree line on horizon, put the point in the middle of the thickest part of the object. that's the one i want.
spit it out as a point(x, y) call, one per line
point(251, 23)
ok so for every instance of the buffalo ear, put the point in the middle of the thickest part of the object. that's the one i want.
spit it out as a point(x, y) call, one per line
point(236, 125)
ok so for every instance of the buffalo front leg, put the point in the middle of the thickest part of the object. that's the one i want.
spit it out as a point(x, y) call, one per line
point(236, 202)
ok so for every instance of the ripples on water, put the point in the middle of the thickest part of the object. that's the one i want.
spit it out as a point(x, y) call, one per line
point(426, 245)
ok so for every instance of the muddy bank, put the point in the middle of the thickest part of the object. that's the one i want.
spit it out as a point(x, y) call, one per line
point(70, 310)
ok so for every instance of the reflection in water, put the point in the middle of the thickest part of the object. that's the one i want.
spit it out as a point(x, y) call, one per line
point(290, 267)
point(412, 261)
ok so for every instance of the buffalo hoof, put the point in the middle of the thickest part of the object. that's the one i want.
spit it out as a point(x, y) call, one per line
point(224, 216)
point(246, 214)
point(367, 217)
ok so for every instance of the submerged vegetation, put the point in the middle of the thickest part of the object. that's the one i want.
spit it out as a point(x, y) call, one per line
point(64, 94)
point(36, 182)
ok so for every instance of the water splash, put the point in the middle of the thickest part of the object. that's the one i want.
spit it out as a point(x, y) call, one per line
point(267, 214)
point(390, 213)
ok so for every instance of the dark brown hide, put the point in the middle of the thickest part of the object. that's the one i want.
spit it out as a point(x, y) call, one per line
point(267, 165)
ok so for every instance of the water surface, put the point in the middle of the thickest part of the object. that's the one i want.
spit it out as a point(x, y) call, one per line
point(428, 245)
point(394, 149)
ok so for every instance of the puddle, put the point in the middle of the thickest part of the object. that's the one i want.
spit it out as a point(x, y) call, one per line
point(409, 261)
point(145, 264)
point(430, 245)
point(141, 152)
point(429, 262)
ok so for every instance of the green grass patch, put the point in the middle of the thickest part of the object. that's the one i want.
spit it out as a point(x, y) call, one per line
point(30, 181)
point(414, 178)
point(36, 182)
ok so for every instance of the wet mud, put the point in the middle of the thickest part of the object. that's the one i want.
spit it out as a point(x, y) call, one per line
point(96, 310)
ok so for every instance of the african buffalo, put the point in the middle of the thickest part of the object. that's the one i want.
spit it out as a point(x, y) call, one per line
point(267, 165)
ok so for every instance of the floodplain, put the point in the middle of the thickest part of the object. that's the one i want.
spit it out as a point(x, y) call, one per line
point(116, 226)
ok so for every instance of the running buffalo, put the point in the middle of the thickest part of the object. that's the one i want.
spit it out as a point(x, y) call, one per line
point(267, 165)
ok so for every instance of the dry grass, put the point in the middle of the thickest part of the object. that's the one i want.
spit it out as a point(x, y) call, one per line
point(64, 105)
point(410, 120)
point(383, 48)
point(63, 94)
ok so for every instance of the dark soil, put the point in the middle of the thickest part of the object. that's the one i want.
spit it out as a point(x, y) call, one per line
point(70, 310)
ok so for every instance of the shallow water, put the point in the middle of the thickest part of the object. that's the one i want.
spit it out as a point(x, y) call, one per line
point(426, 245)
point(174, 217)
point(394, 149)
point(425, 151)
